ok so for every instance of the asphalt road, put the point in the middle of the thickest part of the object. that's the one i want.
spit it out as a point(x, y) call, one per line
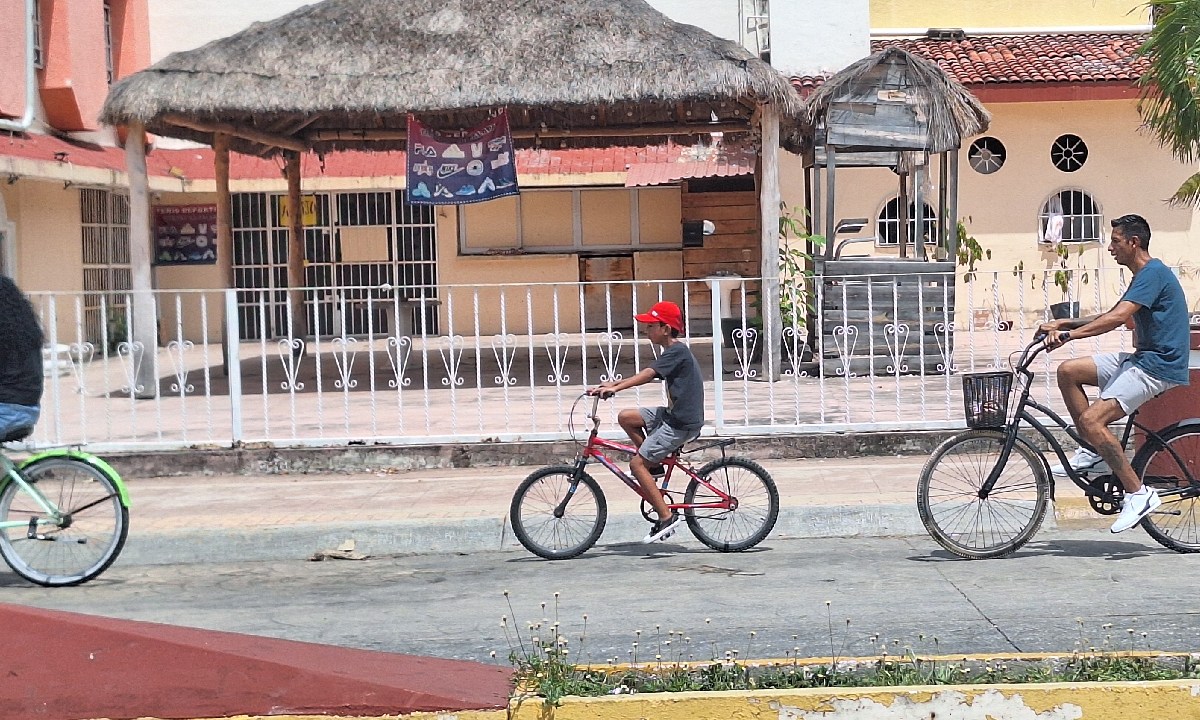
point(817, 596)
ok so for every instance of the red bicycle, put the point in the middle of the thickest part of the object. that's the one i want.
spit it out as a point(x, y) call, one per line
point(730, 504)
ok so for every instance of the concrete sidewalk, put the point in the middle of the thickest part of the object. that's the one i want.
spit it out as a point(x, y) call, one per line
point(191, 519)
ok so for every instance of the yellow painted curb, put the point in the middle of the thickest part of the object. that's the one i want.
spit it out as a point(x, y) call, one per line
point(1157, 700)
point(457, 715)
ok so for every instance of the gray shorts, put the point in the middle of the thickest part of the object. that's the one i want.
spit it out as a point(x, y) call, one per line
point(661, 438)
point(1129, 385)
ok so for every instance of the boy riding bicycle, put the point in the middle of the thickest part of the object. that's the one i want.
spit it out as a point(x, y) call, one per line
point(658, 432)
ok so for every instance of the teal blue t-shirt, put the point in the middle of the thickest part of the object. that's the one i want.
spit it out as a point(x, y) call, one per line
point(1163, 337)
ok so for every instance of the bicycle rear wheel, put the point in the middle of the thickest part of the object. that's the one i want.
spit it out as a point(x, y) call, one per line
point(533, 513)
point(80, 545)
point(749, 522)
point(973, 527)
point(1174, 524)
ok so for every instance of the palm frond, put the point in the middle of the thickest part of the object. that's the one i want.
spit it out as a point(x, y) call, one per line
point(1188, 194)
point(1169, 102)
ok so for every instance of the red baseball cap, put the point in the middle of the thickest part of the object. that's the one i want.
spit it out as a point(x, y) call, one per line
point(663, 312)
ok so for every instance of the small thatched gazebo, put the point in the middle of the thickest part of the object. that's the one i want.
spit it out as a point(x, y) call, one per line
point(344, 74)
point(893, 109)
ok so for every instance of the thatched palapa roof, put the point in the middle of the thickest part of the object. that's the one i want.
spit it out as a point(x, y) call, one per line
point(344, 73)
point(945, 112)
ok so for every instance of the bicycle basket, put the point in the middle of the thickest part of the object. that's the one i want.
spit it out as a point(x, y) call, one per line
point(985, 398)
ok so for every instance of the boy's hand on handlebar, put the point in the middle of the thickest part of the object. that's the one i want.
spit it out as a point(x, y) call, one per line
point(1053, 333)
point(602, 391)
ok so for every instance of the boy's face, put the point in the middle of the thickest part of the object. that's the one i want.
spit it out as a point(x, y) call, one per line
point(658, 333)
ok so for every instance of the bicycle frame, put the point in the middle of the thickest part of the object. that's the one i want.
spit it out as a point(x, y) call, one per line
point(55, 516)
point(1012, 431)
point(594, 449)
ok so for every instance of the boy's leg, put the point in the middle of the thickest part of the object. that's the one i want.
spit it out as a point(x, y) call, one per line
point(660, 442)
point(633, 422)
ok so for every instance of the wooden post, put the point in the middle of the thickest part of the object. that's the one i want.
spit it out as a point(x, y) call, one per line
point(902, 215)
point(768, 203)
point(144, 336)
point(952, 203)
point(919, 175)
point(295, 262)
point(944, 225)
point(830, 200)
point(224, 232)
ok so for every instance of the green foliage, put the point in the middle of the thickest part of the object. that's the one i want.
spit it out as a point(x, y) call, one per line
point(546, 666)
point(118, 332)
point(796, 246)
point(970, 251)
point(1170, 85)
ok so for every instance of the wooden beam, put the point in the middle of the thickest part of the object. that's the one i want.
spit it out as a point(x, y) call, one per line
point(768, 203)
point(144, 333)
point(258, 136)
point(548, 133)
point(295, 255)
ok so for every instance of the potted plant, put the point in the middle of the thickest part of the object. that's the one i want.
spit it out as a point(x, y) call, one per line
point(1063, 278)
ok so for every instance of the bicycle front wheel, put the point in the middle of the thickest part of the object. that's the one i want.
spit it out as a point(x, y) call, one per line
point(973, 527)
point(80, 540)
point(1174, 524)
point(745, 525)
point(535, 508)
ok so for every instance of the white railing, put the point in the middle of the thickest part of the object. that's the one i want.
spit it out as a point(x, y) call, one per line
point(505, 362)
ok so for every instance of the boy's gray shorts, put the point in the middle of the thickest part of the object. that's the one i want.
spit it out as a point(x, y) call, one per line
point(1129, 385)
point(661, 438)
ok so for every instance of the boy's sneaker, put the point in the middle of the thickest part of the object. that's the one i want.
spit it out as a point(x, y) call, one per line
point(1086, 462)
point(663, 529)
point(656, 469)
point(1135, 507)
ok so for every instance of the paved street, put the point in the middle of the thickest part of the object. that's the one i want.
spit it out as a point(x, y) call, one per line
point(451, 604)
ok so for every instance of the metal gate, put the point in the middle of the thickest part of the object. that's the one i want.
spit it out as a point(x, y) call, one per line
point(358, 245)
point(107, 278)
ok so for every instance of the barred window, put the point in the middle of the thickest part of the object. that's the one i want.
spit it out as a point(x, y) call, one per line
point(1081, 218)
point(38, 61)
point(887, 228)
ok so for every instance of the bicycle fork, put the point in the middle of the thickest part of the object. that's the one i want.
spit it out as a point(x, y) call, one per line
point(576, 474)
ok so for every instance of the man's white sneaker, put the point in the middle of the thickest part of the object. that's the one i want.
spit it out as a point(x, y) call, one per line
point(1084, 461)
point(1135, 507)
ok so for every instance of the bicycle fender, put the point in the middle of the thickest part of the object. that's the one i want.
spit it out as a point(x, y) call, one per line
point(1182, 423)
point(88, 458)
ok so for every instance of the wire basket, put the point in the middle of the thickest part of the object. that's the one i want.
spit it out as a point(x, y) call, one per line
point(985, 398)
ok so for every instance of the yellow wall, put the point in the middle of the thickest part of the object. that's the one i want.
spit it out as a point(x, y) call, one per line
point(192, 277)
point(1006, 13)
point(1126, 172)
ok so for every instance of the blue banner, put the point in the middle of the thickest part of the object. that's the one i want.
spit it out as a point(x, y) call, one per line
point(467, 166)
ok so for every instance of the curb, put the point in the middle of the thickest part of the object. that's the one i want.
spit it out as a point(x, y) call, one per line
point(1095, 701)
point(277, 460)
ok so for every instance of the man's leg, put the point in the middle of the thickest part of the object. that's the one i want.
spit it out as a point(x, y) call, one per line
point(1093, 427)
point(1073, 375)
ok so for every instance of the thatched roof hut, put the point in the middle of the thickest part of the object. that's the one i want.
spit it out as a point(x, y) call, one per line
point(343, 74)
point(894, 100)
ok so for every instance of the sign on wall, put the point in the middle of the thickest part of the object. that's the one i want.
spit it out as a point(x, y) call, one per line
point(455, 168)
point(185, 234)
point(308, 210)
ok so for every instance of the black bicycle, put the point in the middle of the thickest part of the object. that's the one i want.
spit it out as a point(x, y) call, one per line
point(985, 491)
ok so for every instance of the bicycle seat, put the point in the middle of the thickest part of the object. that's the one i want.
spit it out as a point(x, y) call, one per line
point(15, 434)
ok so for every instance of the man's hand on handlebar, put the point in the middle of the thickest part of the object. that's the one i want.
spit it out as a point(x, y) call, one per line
point(1055, 333)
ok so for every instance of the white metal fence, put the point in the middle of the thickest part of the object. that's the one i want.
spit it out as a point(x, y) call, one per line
point(507, 361)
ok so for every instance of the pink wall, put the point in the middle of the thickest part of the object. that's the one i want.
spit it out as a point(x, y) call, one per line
point(12, 58)
point(74, 82)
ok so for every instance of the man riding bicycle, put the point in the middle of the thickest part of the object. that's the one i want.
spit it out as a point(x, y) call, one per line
point(1156, 304)
point(20, 361)
point(658, 432)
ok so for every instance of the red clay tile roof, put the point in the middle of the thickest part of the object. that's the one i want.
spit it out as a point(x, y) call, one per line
point(1045, 58)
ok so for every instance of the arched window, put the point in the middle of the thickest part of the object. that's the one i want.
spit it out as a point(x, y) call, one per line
point(887, 228)
point(1080, 218)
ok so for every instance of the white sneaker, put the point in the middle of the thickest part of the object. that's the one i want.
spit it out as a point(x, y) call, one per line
point(1086, 462)
point(664, 529)
point(1135, 507)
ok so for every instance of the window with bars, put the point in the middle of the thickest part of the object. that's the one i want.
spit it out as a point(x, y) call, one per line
point(356, 244)
point(108, 42)
point(107, 278)
point(38, 61)
point(1080, 213)
point(887, 227)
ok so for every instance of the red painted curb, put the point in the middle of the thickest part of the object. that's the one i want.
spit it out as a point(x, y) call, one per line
point(71, 666)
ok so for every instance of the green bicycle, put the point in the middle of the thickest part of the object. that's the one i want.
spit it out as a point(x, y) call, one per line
point(64, 515)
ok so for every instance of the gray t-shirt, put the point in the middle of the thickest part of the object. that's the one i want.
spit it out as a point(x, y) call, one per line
point(677, 366)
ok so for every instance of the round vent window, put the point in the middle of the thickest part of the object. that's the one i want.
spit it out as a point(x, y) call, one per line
point(1069, 153)
point(987, 155)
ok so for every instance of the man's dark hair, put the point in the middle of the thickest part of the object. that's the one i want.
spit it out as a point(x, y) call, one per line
point(1134, 226)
